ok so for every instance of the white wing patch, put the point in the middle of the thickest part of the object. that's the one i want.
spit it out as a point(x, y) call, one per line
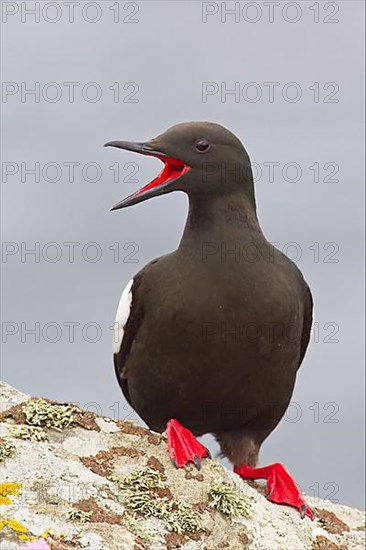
point(122, 315)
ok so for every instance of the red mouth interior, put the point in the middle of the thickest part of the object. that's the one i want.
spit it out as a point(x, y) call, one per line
point(173, 168)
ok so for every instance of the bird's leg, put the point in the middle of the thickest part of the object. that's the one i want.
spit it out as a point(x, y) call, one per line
point(183, 446)
point(281, 486)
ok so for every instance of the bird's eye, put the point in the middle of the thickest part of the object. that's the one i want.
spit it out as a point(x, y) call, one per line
point(202, 145)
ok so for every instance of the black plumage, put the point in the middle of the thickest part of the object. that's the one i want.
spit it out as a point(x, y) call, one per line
point(217, 329)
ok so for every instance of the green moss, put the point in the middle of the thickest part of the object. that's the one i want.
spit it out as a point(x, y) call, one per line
point(28, 432)
point(228, 500)
point(7, 449)
point(79, 515)
point(39, 412)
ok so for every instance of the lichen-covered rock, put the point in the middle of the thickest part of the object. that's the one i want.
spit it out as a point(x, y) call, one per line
point(76, 480)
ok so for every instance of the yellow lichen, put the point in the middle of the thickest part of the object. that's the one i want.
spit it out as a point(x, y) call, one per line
point(14, 525)
point(26, 538)
point(23, 532)
point(46, 534)
point(18, 528)
point(7, 489)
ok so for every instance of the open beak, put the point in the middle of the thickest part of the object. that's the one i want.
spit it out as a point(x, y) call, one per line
point(173, 169)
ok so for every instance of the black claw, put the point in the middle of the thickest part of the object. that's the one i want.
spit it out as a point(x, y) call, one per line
point(174, 462)
point(209, 455)
point(269, 493)
point(197, 462)
point(302, 511)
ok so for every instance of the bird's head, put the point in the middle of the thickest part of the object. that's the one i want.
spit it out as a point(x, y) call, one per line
point(199, 158)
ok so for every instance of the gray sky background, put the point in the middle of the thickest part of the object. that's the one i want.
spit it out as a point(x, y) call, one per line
point(169, 52)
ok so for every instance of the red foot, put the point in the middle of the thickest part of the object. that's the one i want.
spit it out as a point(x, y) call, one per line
point(281, 486)
point(183, 446)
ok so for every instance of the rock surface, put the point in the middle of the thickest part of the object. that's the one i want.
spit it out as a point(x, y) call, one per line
point(78, 480)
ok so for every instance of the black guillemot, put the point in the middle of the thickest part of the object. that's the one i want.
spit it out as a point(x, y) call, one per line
point(211, 336)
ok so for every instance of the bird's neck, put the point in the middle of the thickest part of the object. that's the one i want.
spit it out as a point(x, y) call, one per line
point(214, 218)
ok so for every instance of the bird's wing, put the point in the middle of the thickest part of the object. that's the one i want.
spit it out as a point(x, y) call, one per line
point(128, 321)
point(308, 321)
